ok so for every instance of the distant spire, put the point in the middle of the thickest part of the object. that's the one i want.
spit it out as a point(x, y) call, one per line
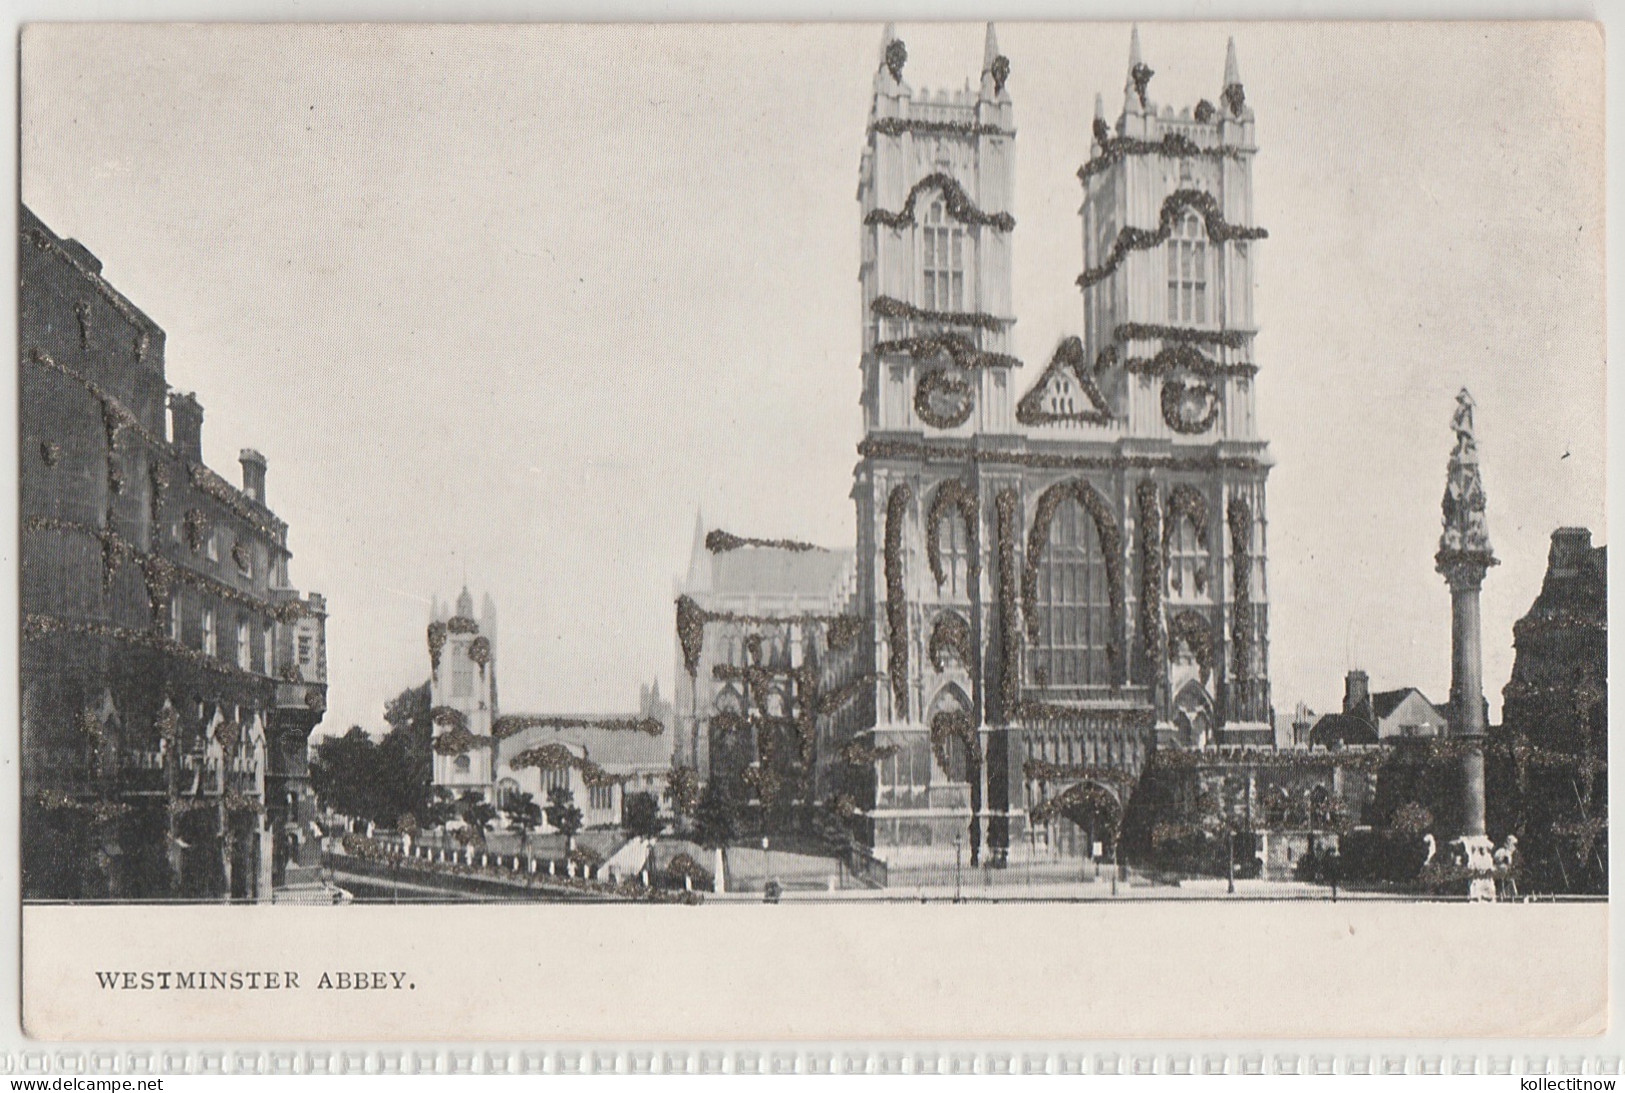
point(990, 50)
point(1102, 131)
point(1232, 74)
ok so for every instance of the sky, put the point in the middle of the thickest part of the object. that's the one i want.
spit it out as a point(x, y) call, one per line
point(511, 305)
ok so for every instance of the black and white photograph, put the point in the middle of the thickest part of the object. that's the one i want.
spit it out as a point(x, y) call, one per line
point(777, 474)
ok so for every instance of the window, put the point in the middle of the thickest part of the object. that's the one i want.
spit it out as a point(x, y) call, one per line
point(1073, 604)
point(905, 775)
point(267, 648)
point(245, 655)
point(555, 779)
point(210, 641)
point(462, 678)
point(601, 797)
point(943, 261)
point(1187, 272)
point(955, 550)
point(1187, 562)
point(461, 764)
point(306, 647)
point(211, 543)
point(507, 793)
point(175, 616)
point(1063, 394)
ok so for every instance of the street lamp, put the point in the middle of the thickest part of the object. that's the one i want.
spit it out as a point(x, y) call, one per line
point(1230, 883)
point(959, 837)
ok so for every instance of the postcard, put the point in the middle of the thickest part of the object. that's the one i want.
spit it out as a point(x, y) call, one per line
point(635, 532)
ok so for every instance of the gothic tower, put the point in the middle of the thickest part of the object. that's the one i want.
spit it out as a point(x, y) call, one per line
point(462, 693)
point(936, 183)
point(1168, 365)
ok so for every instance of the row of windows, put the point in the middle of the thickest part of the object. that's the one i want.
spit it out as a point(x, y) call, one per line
point(212, 640)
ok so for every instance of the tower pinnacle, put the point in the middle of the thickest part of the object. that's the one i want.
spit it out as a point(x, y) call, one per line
point(1139, 77)
point(1234, 97)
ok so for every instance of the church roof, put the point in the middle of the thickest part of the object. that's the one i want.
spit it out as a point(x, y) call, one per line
point(774, 571)
point(609, 748)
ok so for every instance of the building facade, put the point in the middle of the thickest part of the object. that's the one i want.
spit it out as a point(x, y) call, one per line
point(1063, 579)
point(479, 750)
point(1549, 756)
point(170, 674)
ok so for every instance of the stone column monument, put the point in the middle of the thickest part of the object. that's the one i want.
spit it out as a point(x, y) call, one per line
point(1464, 557)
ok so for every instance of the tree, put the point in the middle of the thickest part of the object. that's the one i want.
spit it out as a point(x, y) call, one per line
point(342, 773)
point(524, 816)
point(683, 790)
point(477, 813)
point(563, 814)
point(640, 816)
point(381, 781)
point(716, 822)
point(439, 809)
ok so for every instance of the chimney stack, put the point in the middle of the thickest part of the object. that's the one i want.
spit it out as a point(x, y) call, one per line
point(1356, 689)
point(253, 473)
point(186, 428)
point(1571, 549)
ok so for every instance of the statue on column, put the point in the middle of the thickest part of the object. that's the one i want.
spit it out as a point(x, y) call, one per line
point(1465, 529)
point(1463, 559)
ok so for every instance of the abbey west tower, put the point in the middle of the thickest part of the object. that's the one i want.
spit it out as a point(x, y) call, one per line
point(1062, 580)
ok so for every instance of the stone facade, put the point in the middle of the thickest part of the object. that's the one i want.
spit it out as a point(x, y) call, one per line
point(1064, 580)
point(170, 675)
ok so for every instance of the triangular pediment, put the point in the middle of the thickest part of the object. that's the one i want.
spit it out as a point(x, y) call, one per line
point(1068, 390)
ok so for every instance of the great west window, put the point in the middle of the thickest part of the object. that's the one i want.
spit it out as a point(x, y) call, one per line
point(1073, 604)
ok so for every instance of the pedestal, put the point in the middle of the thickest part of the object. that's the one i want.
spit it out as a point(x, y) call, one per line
point(1477, 853)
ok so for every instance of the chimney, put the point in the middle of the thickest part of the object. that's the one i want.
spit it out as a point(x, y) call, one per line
point(1571, 548)
point(1356, 689)
point(186, 429)
point(253, 473)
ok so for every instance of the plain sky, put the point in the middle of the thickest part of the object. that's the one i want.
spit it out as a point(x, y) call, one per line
point(514, 302)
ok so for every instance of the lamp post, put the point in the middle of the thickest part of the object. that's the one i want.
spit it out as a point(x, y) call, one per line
point(1230, 876)
point(959, 838)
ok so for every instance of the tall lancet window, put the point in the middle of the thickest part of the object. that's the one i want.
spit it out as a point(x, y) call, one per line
point(1187, 563)
point(1187, 272)
point(1074, 604)
point(955, 548)
point(942, 260)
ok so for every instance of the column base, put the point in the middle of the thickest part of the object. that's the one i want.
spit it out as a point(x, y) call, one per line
point(1476, 853)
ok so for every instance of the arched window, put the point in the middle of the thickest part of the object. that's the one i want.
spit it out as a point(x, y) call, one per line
point(1073, 604)
point(461, 764)
point(1187, 272)
point(953, 543)
point(1187, 562)
point(942, 260)
point(507, 792)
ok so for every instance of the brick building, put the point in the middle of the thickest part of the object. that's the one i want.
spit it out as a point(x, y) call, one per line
point(170, 676)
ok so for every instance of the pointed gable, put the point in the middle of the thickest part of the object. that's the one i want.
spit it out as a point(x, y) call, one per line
point(1068, 390)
